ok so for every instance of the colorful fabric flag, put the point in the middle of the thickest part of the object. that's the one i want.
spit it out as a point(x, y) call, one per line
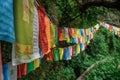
point(65, 54)
point(96, 27)
point(63, 33)
point(66, 33)
point(30, 67)
point(36, 63)
point(60, 36)
point(56, 54)
point(6, 49)
point(1, 70)
point(91, 36)
point(77, 49)
point(70, 52)
point(56, 35)
point(74, 40)
point(110, 27)
point(82, 46)
point(5, 72)
point(23, 47)
point(113, 31)
point(86, 31)
point(61, 50)
point(36, 35)
point(82, 33)
point(44, 30)
point(12, 71)
point(7, 21)
point(73, 50)
point(21, 70)
point(79, 40)
point(71, 32)
point(19, 75)
point(50, 55)
point(52, 33)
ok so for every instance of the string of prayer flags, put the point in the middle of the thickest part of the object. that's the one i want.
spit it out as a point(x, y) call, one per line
point(113, 29)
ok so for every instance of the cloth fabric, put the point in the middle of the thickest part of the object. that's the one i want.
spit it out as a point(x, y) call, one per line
point(71, 32)
point(65, 54)
point(110, 27)
point(12, 71)
point(67, 35)
point(77, 33)
point(92, 30)
point(85, 38)
point(77, 49)
point(56, 35)
point(63, 33)
point(52, 33)
point(35, 35)
point(73, 50)
point(82, 46)
point(75, 40)
point(50, 55)
point(88, 37)
point(79, 40)
point(86, 31)
point(30, 67)
point(19, 75)
point(7, 21)
point(66, 32)
point(106, 25)
point(21, 70)
point(91, 36)
point(113, 31)
point(5, 72)
point(6, 49)
point(56, 54)
point(44, 30)
point(24, 22)
point(82, 32)
point(96, 27)
point(36, 63)
point(61, 50)
point(60, 36)
point(70, 52)
point(1, 70)
point(71, 40)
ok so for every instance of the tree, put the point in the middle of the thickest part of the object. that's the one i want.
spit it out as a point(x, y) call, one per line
point(82, 13)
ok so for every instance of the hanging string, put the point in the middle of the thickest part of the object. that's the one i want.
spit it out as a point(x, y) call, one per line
point(37, 3)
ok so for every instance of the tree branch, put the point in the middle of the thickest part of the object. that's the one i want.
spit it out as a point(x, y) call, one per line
point(106, 4)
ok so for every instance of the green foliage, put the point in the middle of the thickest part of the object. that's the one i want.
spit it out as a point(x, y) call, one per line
point(67, 13)
point(105, 45)
point(106, 71)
